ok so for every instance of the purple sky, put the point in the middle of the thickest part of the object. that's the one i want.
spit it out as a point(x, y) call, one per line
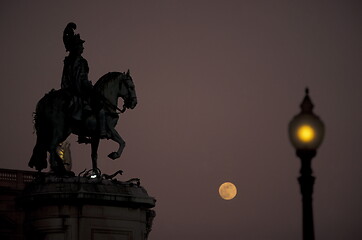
point(217, 84)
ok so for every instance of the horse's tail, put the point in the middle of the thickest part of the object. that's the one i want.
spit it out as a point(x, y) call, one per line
point(39, 156)
point(39, 113)
point(35, 122)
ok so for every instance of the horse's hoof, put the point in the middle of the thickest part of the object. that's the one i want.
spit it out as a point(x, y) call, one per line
point(113, 155)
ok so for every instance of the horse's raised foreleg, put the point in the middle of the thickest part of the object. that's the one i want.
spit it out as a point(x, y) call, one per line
point(118, 139)
point(94, 154)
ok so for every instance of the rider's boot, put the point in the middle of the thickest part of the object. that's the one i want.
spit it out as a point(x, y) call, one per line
point(84, 139)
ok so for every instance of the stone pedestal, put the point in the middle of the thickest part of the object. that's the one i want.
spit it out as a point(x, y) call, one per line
point(79, 208)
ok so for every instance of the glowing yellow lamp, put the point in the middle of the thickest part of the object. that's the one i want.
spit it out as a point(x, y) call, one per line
point(306, 130)
point(305, 133)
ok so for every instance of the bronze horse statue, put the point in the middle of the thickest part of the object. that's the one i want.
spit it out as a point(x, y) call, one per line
point(53, 121)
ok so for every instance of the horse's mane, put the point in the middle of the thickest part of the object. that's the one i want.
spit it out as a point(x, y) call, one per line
point(106, 79)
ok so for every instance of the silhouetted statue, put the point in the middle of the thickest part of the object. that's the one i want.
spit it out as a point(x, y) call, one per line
point(80, 108)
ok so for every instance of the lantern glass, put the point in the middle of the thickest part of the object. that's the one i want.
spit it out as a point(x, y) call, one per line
point(306, 131)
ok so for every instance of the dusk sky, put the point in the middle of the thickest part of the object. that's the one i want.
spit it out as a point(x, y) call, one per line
point(217, 84)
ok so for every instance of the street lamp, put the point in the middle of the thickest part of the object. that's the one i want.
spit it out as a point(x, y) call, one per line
point(306, 132)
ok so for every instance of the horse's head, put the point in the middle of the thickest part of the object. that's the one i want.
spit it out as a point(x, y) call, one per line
point(128, 91)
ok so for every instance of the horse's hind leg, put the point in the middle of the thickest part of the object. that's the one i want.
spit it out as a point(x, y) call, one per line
point(117, 138)
point(56, 163)
point(95, 144)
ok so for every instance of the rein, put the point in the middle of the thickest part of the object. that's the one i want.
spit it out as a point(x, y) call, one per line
point(114, 106)
point(111, 104)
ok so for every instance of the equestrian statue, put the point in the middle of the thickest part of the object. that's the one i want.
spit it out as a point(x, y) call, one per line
point(91, 112)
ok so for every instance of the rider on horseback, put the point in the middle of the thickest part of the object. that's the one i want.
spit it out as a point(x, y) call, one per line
point(80, 108)
point(75, 80)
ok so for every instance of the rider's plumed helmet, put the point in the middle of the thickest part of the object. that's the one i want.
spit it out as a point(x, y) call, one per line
point(71, 40)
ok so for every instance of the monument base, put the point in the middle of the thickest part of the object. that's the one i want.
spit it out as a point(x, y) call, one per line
point(78, 208)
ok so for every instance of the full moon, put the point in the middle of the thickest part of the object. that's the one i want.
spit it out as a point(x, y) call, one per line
point(227, 191)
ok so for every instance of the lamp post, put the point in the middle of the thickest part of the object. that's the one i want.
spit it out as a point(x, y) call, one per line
point(306, 132)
